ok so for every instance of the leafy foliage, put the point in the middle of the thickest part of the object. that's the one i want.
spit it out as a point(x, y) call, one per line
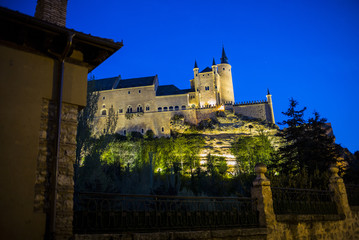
point(251, 150)
point(85, 120)
point(111, 121)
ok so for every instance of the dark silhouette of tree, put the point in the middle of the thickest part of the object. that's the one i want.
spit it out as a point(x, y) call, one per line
point(307, 146)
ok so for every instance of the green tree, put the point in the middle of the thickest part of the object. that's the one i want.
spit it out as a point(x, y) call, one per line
point(85, 125)
point(111, 121)
point(250, 150)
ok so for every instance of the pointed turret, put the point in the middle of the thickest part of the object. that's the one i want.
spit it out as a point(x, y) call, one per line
point(195, 64)
point(270, 103)
point(224, 58)
point(213, 63)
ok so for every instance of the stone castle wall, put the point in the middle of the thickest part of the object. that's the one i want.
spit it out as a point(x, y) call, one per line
point(260, 111)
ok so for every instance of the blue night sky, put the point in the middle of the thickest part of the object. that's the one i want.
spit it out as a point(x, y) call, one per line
point(308, 50)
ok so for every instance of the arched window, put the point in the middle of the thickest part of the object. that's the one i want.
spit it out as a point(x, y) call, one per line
point(165, 109)
point(163, 129)
point(160, 109)
point(176, 108)
point(139, 108)
point(183, 107)
point(124, 132)
point(142, 131)
point(104, 112)
point(171, 108)
point(120, 110)
point(129, 109)
point(147, 108)
point(103, 105)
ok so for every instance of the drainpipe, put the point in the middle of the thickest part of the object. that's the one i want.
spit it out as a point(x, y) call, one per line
point(53, 198)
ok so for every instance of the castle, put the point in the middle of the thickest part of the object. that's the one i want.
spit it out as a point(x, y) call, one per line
point(142, 104)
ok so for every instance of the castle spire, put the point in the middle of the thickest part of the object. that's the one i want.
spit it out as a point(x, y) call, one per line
point(224, 58)
point(195, 64)
point(268, 93)
point(213, 63)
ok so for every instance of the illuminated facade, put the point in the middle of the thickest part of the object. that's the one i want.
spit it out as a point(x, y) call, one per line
point(142, 104)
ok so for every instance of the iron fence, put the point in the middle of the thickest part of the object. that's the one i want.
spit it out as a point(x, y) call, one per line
point(111, 213)
point(303, 201)
point(353, 194)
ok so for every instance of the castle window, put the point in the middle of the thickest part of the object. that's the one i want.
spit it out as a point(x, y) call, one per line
point(176, 108)
point(139, 91)
point(103, 98)
point(129, 109)
point(163, 129)
point(139, 108)
point(104, 112)
point(183, 107)
point(124, 132)
point(147, 108)
point(103, 105)
point(224, 69)
point(120, 110)
point(171, 108)
point(206, 88)
point(129, 92)
point(104, 130)
point(160, 109)
point(165, 109)
point(142, 130)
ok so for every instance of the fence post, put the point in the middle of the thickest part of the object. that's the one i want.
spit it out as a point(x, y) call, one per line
point(262, 193)
point(337, 185)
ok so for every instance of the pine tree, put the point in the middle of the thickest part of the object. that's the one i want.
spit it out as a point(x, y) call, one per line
point(307, 146)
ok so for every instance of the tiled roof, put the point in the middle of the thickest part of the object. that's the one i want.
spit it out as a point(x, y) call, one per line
point(207, 69)
point(116, 83)
point(136, 82)
point(166, 90)
point(102, 84)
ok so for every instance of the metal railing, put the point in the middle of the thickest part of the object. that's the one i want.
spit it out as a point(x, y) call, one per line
point(112, 213)
point(303, 201)
point(353, 194)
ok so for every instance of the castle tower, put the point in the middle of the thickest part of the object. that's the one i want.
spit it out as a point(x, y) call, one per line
point(216, 82)
point(226, 93)
point(195, 82)
point(269, 100)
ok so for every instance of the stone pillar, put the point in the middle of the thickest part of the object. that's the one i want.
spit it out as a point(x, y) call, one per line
point(262, 193)
point(337, 185)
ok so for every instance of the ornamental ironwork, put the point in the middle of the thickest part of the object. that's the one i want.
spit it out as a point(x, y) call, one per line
point(303, 201)
point(114, 213)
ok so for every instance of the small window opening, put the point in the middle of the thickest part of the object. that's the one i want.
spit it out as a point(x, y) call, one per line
point(103, 113)
point(176, 108)
point(160, 109)
point(163, 129)
point(183, 107)
point(129, 92)
point(165, 109)
point(171, 108)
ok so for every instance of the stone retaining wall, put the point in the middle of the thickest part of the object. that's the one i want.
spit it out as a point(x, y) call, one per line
point(238, 234)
